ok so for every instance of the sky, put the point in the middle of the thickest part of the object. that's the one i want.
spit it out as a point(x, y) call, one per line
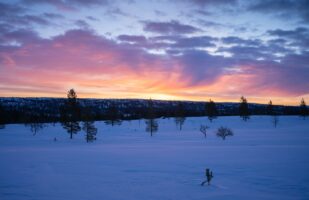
point(160, 49)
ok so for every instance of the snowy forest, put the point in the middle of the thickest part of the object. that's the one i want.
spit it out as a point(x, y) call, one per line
point(27, 110)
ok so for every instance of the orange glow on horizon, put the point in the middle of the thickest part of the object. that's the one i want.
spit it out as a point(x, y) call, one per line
point(127, 84)
point(295, 101)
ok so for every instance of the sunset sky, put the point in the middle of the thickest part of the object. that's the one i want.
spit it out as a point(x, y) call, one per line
point(164, 49)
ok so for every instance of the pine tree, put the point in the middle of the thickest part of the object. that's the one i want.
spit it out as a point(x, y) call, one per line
point(303, 110)
point(112, 115)
point(88, 125)
point(151, 123)
point(180, 115)
point(2, 117)
point(91, 130)
point(275, 120)
point(70, 111)
point(211, 110)
point(243, 108)
point(72, 96)
point(71, 114)
point(270, 111)
point(270, 108)
point(72, 127)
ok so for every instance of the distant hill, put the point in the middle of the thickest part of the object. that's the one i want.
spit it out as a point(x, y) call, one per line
point(20, 110)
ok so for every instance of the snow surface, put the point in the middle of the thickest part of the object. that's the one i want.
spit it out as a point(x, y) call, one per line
point(259, 162)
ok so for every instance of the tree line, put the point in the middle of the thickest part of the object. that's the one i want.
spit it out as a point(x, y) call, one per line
point(75, 116)
point(74, 109)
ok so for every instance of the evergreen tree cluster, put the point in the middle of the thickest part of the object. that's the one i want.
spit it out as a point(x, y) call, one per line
point(303, 110)
point(244, 109)
point(180, 115)
point(211, 110)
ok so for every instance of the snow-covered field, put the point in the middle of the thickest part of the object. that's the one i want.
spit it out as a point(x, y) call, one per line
point(259, 162)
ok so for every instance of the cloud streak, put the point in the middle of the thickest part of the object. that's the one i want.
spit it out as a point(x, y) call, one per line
point(171, 27)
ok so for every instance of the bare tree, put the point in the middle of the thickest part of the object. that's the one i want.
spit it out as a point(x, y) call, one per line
point(203, 129)
point(223, 132)
point(36, 127)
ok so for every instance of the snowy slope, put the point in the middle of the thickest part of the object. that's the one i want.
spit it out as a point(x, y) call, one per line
point(258, 162)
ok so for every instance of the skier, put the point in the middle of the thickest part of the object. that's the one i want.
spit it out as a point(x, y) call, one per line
point(209, 176)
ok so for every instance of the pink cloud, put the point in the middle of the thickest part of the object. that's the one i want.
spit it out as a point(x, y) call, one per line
point(101, 67)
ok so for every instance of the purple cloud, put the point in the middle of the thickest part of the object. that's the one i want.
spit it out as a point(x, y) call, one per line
point(8, 9)
point(204, 3)
point(14, 15)
point(82, 24)
point(240, 41)
point(169, 42)
point(132, 38)
point(172, 27)
point(114, 12)
point(199, 67)
point(284, 8)
point(298, 37)
point(68, 4)
point(84, 52)
point(193, 42)
point(53, 15)
point(298, 32)
point(22, 36)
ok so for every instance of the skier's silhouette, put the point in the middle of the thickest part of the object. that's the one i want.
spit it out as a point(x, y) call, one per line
point(209, 176)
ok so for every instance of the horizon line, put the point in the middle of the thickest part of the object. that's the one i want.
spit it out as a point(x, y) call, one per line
point(155, 99)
